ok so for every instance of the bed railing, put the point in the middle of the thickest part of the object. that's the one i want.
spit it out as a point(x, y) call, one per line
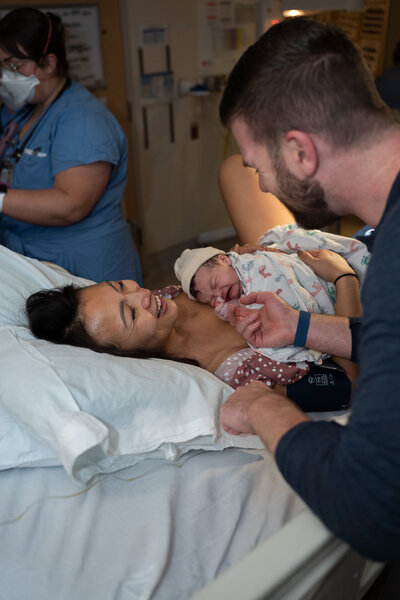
point(302, 561)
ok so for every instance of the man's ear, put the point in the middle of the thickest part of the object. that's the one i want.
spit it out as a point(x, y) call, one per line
point(300, 153)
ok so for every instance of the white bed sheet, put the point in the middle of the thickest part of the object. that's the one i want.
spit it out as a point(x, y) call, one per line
point(163, 535)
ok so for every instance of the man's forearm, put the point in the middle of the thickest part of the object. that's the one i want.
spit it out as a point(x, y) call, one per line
point(272, 416)
point(255, 409)
point(329, 334)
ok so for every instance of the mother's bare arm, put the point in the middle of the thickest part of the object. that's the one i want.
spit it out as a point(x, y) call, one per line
point(329, 266)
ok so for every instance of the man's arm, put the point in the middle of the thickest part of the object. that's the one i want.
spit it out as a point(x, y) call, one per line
point(274, 325)
point(349, 476)
point(254, 409)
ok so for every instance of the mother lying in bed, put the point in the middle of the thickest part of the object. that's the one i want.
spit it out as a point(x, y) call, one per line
point(119, 317)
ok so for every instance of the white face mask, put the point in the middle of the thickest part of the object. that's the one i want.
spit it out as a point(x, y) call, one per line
point(17, 89)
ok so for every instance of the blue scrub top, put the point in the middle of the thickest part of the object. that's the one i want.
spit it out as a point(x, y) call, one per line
point(76, 130)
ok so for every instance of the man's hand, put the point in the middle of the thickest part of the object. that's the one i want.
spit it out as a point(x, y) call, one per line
point(255, 409)
point(271, 326)
point(235, 417)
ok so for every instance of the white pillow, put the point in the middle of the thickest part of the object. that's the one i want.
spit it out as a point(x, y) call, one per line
point(94, 413)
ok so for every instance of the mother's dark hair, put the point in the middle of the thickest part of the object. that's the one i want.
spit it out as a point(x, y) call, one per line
point(54, 316)
point(30, 33)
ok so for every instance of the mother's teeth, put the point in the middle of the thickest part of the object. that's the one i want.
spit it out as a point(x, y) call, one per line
point(158, 305)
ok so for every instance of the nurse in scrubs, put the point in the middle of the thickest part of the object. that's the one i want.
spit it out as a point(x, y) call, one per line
point(63, 158)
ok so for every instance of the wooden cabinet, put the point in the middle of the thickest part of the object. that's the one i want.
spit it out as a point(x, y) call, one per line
point(367, 29)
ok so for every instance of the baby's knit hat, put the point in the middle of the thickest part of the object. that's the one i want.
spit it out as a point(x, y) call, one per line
point(188, 263)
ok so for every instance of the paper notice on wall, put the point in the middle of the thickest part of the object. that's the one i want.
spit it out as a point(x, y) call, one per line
point(225, 29)
point(153, 35)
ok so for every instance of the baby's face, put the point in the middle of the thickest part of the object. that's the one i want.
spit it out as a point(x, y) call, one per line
point(217, 281)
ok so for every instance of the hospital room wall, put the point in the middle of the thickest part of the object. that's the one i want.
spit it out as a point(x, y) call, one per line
point(176, 165)
point(176, 180)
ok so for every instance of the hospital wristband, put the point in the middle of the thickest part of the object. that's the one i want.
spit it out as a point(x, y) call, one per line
point(302, 328)
point(345, 275)
point(2, 194)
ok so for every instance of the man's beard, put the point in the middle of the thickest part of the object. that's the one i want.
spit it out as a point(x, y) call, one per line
point(304, 198)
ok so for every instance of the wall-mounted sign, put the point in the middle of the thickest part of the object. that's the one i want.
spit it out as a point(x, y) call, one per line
point(153, 35)
point(226, 29)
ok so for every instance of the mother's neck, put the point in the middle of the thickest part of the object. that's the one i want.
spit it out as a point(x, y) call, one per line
point(200, 334)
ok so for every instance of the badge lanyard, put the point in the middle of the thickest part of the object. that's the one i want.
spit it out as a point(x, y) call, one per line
point(8, 164)
point(8, 138)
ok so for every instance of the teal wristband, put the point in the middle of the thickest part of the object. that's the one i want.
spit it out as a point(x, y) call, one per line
point(302, 328)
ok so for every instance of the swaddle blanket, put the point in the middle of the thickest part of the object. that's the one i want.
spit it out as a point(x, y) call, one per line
point(293, 280)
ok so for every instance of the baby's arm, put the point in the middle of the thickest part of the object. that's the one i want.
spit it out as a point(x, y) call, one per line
point(221, 309)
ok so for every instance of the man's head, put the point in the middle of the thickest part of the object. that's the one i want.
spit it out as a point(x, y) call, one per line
point(306, 76)
point(301, 80)
point(304, 196)
point(207, 274)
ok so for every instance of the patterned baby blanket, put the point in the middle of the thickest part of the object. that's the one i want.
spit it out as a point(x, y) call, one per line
point(293, 280)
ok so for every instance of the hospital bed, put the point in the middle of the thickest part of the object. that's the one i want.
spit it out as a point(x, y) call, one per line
point(117, 481)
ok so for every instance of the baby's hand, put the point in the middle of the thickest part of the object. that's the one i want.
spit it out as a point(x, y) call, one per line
point(221, 308)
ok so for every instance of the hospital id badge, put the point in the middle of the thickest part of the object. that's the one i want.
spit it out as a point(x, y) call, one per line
point(6, 173)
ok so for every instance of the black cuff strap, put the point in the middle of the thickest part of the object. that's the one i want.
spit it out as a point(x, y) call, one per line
point(355, 328)
point(324, 387)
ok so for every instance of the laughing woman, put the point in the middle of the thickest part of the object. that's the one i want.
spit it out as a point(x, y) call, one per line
point(121, 318)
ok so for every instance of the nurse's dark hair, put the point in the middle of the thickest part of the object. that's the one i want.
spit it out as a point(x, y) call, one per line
point(306, 76)
point(54, 316)
point(31, 33)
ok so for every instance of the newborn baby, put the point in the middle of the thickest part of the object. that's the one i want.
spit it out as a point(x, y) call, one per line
point(214, 281)
point(214, 277)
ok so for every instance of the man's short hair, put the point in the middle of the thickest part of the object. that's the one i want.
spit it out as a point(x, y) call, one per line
point(306, 76)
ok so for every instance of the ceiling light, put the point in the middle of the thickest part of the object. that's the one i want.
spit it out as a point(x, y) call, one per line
point(293, 13)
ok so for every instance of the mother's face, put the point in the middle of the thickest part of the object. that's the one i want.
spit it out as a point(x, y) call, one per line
point(125, 315)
